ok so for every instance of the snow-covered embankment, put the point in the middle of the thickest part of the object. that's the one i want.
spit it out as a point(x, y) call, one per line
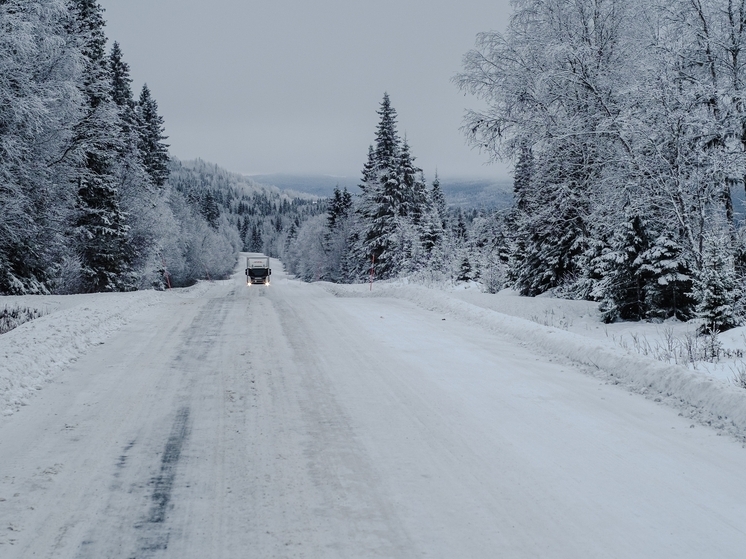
point(34, 352)
point(700, 397)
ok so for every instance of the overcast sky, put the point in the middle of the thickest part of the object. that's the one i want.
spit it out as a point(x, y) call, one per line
point(292, 86)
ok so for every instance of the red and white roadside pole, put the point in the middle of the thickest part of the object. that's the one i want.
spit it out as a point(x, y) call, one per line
point(372, 269)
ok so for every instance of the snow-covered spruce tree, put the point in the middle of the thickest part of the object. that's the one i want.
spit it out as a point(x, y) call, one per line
point(339, 207)
point(515, 242)
point(438, 201)
point(337, 237)
point(553, 229)
point(379, 199)
point(210, 210)
point(431, 222)
point(669, 287)
point(715, 287)
point(101, 227)
point(392, 199)
point(622, 287)
point(152, 147)
point(465, 272)
point(121, 85)
point(412, 186)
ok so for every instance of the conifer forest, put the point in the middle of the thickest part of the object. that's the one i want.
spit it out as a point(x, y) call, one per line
point(625, 122)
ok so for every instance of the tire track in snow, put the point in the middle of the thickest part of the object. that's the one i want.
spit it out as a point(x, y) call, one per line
point(163, 485)
point(138, 522)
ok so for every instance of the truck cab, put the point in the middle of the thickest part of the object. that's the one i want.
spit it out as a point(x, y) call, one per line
point(257, 270)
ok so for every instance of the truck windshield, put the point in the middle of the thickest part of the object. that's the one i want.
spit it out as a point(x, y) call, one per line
point(257, 272)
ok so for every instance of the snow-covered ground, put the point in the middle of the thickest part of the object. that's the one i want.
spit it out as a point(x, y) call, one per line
point(320, 420)
point(32, 354)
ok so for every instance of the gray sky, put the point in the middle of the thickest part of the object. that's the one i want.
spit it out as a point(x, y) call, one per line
point(292, 86)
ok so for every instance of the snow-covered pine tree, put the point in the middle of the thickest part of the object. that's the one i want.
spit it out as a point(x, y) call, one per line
point(670, 276)
point(438, 200)
point(386, 153)
point(431, 225)
point(622, 287)
point(256, 244)
point(152, 148)
point(121, 83)
point(486, 244)
point(459, 227)
point(465, 272)
point(412, 187)
point(101, 228)
point(381, 196)
point(715, 287)
point(339, 207)
point(336, 238)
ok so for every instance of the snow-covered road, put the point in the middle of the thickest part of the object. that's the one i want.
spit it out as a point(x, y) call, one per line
point(285, 422)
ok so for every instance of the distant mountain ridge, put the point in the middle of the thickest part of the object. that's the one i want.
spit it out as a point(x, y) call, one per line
point(459, 192)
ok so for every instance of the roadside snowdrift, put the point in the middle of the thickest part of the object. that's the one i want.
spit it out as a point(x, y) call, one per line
point(34, 352)
point(699, 396)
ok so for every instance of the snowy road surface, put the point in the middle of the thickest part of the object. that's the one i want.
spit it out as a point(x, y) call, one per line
point(254, 422)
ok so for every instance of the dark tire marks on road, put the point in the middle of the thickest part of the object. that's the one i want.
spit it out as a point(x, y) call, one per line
point(156, 537)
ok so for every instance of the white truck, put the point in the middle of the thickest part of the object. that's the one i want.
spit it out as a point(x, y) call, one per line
point(257, 269)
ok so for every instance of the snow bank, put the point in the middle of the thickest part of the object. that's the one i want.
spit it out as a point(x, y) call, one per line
point(699, 396)
point(34, 352)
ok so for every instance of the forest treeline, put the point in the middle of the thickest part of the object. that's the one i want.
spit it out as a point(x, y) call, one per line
point(89, 197)
point(626, 124)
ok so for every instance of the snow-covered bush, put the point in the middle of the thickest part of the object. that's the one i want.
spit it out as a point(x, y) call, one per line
point(13, 317)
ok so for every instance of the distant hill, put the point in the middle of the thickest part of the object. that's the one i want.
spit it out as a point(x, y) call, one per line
point(460, 193)
point(478, 193)
point(318, 185)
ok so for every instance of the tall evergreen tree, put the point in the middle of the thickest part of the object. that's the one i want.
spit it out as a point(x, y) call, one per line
point(715, 288)
point(154, 151)
point(336, 208)
point(121, 83)
point(387, 138)
point(381, 200)
point(622, 287)
point(431, 227)
point(438, 200)
point(668, 291)
point(102, 231)
point(393, 200)
point(412, 188)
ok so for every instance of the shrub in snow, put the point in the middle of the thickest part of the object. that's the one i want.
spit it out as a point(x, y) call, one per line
point(739, 375)
point(11, 318)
